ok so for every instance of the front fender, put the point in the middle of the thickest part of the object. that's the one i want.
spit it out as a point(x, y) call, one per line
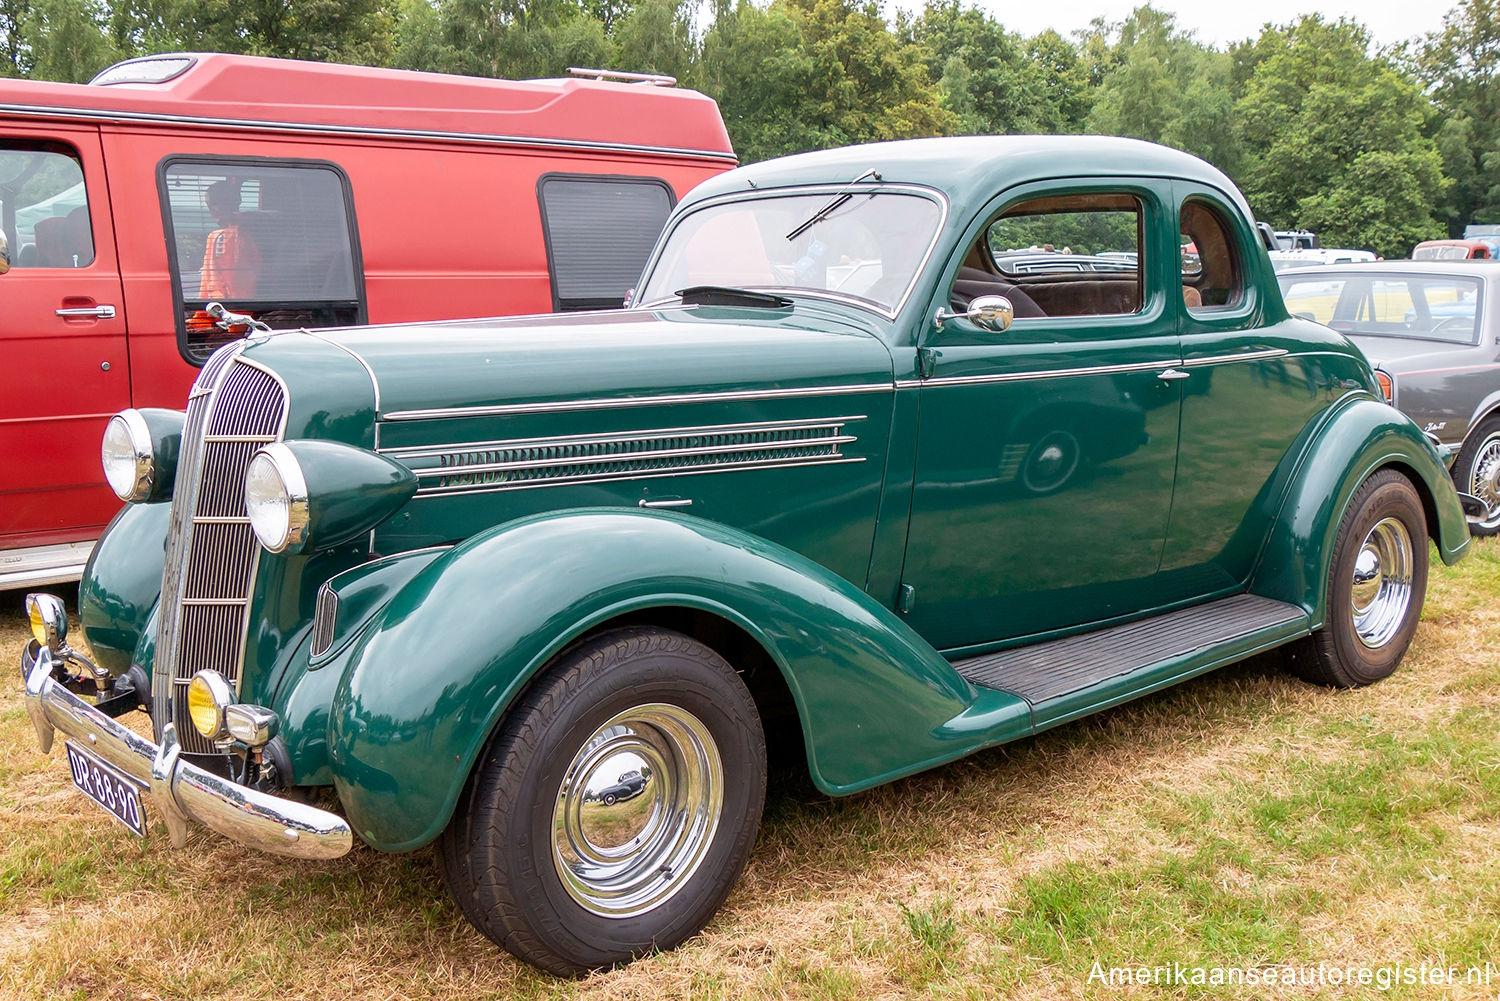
point(1357, 439)
point(121, 583)
point(425, 685)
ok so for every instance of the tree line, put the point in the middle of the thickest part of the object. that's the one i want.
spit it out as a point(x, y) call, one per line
point(1373, 148)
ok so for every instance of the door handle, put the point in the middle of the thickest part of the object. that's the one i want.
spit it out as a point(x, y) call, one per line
point(1173, 374)
point(87, 312)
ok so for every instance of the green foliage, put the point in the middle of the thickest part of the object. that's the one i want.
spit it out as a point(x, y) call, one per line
point(1461, 64)
point(1373, 150)
point(1331, 121)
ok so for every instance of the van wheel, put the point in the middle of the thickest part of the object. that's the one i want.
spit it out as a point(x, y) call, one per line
point(1477, 472)
point(1377, 581)
point(571, 880)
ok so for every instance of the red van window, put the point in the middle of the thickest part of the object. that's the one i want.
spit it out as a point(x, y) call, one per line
point(270, 238)
point(599, 231)
point(43, 208)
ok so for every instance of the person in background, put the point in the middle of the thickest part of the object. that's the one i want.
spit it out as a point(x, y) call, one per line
point(230, 260)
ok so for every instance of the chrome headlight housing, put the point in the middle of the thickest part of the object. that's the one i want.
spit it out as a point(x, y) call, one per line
point(139, 453)
point(303, 495)
point(127, 456)
point(276, 498)
point(209, 695)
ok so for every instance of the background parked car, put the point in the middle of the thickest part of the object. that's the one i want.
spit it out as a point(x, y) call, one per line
point(1452, 250)
point(1433, 334)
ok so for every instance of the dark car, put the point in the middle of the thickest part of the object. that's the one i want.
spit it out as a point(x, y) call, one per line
point(630, 785)
point(837, 480)
point(1432, 331)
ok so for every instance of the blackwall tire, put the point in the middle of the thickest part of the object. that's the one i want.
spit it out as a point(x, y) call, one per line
point(1377, 582)
point(540, 864)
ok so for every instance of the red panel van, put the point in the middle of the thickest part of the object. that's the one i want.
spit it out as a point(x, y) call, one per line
point(304, 194)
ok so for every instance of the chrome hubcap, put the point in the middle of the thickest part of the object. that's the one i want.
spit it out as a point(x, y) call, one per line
point(1484, 479)
point(1382, 583)
point(637, 810)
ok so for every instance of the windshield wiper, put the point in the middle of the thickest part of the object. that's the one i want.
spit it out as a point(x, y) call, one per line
point(725, 295)
point(843, 196)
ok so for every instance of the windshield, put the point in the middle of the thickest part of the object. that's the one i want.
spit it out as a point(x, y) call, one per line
point(1424, 307)
point(868, 248)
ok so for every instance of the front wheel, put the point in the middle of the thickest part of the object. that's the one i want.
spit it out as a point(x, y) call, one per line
point(1377, 581)
point(572, 878)
point(1477, 471)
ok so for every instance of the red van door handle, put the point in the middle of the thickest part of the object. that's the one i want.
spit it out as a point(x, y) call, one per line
point(87, 313)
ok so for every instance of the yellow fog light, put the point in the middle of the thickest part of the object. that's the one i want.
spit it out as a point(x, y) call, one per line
point(209, 694)
point(49, 620)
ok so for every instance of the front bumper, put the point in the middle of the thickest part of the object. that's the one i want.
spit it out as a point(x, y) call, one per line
point(181, 791)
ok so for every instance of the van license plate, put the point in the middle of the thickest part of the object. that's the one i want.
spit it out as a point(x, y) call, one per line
point(108, 786)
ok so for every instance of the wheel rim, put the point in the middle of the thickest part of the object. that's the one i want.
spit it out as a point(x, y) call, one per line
point(1484, 478)
point(1051, 462)
point(624, 857)
point(1381, 593)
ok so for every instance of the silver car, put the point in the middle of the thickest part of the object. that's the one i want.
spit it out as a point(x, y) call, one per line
point(1432, 331)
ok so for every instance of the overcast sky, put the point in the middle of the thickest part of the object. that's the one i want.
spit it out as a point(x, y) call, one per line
point(1220, 22)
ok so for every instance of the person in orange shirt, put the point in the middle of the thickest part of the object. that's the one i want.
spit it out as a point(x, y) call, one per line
point(230, 260)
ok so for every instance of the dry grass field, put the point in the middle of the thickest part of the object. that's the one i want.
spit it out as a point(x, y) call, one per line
point(1239, 820)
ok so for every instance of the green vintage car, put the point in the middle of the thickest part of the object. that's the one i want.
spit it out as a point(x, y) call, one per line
point(839, 479)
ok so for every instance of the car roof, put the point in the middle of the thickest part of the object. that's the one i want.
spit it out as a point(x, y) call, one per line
point(971, 168)
point(1488, 270)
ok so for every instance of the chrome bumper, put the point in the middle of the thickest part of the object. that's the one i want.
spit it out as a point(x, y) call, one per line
point(181, 791)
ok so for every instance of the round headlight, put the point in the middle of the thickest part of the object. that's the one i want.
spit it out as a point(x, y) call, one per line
point(208, 695)
point(127, 456)
point(276, 498)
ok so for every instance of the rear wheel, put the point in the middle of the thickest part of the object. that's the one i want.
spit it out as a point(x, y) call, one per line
point(1477, 471)
point(1377, 581)
point(572, 878)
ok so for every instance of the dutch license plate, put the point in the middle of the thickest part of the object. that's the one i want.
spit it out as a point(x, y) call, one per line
point(108, 786)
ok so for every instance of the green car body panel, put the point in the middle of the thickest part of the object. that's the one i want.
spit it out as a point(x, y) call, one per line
point(851, 523)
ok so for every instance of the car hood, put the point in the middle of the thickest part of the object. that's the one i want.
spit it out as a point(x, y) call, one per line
point(541, 360)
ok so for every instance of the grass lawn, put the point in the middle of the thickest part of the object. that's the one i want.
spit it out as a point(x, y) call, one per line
point(1243, 819)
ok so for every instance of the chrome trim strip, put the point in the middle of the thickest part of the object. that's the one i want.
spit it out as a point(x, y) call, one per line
point(1057, 373)
point(665, 453)
point(374, 382)
point(180, 789)
point(481, 139)
point(238, 437)
point(425, 451)
point(611, 403)
point(724, 467)
point(1242, 356)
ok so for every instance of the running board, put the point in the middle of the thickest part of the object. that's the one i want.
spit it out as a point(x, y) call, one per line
point(1066, 678)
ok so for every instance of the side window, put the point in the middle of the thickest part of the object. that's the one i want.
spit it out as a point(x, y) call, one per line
point(599, 232)
point(44, 210)
point(272, 239)
point(1061, 255)
point(1211, 274)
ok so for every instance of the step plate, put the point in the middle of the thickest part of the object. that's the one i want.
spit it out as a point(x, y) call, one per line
point(1057, 667)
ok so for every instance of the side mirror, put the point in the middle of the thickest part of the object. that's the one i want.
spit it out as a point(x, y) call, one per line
point(4, 254)
point(988, 312)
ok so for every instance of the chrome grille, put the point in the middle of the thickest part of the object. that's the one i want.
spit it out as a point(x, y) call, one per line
point(235, 407)
point(521, 463)
point(323, 621)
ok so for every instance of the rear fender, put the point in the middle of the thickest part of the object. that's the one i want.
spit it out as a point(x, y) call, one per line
point(1358, 439)
point(429, 679)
